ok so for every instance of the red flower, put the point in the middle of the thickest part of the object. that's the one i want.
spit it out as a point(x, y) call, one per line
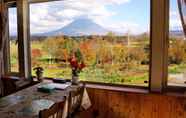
point(82, 65)
point(76, 64)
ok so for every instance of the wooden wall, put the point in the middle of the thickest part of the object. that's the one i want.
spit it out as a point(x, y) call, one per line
point(114, 104)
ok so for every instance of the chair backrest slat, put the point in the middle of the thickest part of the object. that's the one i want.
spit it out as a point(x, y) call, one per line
point(55, 111)
point(75, 100)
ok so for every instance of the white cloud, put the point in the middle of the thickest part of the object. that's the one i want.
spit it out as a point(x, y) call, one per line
point(127, 27)
point(50, 16)
point(59, 13)
point(115, 1)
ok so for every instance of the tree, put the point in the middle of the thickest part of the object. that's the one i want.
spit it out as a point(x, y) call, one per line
point(51, 45)
point(36, 55)
point(177, 51)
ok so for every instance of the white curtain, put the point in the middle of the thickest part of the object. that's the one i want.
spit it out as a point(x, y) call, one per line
point(182, 11)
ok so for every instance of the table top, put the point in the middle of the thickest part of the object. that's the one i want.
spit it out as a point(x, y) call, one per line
point(28, 102)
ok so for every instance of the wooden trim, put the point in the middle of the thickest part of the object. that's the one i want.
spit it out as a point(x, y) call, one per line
point(115, 85)
point(33, 1)
point(24, 38)
point(159, 39)
point(117, 88)
point(40, 1)
point(174, 88)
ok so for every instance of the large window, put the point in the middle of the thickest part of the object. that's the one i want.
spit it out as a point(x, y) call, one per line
point(13, 41)
point(177, 48)
point(113, 41)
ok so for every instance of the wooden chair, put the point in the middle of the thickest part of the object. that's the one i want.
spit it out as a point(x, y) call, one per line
point(75, 100)
point(55, 111)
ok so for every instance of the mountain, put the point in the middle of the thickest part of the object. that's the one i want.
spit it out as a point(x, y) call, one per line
point(80, 27)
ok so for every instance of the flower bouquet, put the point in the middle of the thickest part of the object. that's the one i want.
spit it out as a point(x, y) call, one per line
point(77, 64)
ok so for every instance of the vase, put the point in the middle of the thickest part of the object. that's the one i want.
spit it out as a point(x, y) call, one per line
point(39, 76)
point(75, 80)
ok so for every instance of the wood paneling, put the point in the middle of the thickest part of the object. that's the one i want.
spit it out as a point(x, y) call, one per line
point(115, 104)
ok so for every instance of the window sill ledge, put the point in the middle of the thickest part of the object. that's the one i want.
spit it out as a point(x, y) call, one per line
point(133, 90)
point(117, 88)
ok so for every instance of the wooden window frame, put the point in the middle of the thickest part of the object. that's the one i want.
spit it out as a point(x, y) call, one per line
point(7, 44)
point(159, 45)
point(159, 33)
point(23, 40)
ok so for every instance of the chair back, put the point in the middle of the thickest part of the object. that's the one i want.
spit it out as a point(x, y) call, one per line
point(75, 100)
point(55, 111)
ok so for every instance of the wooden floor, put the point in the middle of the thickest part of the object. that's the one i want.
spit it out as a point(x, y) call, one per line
point(114, 104)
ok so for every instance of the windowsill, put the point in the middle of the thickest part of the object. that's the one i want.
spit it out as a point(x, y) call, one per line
point(133, 90)
point(117, 88)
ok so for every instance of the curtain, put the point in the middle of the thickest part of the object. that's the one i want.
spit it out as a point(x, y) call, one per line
point(3, 33)
point(182, 11)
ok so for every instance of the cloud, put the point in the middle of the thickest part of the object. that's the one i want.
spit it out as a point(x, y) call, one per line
point(115, 1)
point(127, 27)
point(50, 16)
point(60, 13)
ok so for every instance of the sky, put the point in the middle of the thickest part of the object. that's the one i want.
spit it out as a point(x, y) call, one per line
point(124, 16)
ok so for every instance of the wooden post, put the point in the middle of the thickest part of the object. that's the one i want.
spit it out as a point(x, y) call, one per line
point(159, 44)
point(24, 38)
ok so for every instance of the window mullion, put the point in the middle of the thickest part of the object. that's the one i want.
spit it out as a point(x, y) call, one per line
point(159, 44)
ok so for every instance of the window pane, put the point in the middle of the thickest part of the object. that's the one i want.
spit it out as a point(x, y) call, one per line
point(177, 48)
point(113, 41)
point(14, 66)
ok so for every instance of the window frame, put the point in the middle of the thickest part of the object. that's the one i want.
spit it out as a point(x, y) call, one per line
point(6, 52)
point(23, 40)
point(174, 88)
point(102, 83)
point(159, 29)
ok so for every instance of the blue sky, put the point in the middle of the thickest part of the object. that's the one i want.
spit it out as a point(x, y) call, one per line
point(124, 16)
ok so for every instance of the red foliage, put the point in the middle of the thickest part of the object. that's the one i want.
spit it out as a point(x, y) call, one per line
point(36, 53)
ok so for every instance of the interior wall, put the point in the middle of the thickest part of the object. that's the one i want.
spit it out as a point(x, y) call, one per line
point(114, 104)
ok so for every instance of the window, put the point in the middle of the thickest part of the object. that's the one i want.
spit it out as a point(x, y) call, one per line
point(113, 41)
point(177, 48)
point(13, 41)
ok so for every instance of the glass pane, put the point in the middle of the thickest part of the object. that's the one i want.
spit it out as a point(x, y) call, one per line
point(114, 42)
point(14, 66)
point(177, 48)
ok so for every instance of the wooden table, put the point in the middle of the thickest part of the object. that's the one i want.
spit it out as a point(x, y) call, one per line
point(28, 102)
